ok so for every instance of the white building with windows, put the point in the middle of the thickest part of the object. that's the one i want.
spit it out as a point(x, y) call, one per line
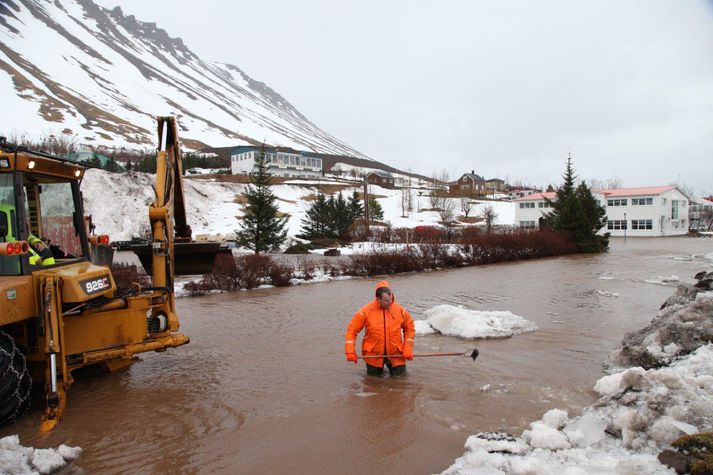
point(285, 163)
point(633, 212)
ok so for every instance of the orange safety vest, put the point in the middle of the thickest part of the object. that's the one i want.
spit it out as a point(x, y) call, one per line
point(388, 331)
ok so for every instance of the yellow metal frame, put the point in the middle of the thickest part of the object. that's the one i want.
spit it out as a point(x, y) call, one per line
point(72, 327)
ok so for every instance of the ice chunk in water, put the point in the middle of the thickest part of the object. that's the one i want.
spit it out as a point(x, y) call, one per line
point(466, 323)
point(555, 418)
point(16, 459)
point(586, 430)
point(542, 436)
point(423, 327)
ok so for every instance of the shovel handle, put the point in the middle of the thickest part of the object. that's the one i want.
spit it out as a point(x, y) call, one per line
point(471, 354)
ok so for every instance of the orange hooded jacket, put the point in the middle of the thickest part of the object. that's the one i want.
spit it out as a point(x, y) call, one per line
point(383, 335)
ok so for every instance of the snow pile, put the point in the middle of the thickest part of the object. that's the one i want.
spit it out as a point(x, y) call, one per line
point(682, 324)
point(465, 323)
point(605, 293)
point(640, 411)
point(16, 459)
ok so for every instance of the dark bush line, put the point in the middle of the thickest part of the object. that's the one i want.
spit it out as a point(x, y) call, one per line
point(482, 249)
point(250, 271)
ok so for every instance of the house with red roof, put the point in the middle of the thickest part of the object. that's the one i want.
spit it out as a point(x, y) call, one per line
point(634, 212)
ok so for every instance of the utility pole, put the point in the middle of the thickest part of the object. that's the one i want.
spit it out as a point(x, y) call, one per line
point(366, 201)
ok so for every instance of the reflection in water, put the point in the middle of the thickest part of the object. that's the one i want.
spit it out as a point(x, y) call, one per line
point(264, 388)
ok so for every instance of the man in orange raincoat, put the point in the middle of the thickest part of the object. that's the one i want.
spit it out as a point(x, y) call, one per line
point(389, 331)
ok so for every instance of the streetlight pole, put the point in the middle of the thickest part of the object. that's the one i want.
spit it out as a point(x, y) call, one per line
point(626, 226)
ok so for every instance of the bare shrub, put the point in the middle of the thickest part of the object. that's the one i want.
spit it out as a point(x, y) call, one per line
point(306, 269)
point(253, 270)
point(280, 273)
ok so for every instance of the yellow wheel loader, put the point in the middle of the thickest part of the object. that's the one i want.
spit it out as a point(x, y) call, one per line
point(59, 308)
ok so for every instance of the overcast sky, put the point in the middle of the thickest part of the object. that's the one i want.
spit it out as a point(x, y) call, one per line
point(505, 88)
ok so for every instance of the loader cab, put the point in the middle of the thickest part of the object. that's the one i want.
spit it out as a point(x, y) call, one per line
point(40, 199)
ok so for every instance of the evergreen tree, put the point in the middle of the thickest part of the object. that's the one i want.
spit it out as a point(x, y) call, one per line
point(317, 223)
point(341, 216)
point(112, 166)
point(261, 228)
point(94, 162)
point(376, 213)
point(147, 164)
point(593, 219)
point(356, 210)
point(577, 212)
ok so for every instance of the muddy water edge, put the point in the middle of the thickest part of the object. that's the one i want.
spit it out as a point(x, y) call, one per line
point(263, 386)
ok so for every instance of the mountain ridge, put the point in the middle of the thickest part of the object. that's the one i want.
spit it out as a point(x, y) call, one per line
point(100, 76)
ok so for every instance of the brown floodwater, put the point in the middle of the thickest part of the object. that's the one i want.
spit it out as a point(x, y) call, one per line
point(263, 387)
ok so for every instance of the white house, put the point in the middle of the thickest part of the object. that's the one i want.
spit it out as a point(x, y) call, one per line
point(287, 163)
point(644, 211)
point(531, 208)
point(521, 192)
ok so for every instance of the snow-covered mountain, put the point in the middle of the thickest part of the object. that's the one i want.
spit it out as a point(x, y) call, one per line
point(72, 67)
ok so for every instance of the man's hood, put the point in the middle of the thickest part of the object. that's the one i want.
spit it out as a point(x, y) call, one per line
point(385, 283)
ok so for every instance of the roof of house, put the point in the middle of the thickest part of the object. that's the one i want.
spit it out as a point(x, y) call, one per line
point(637, 191)
point(269, 149)
point(473, 176)
point(550, 195)
point(496, 179)
point(380, 173)
point(610, 193)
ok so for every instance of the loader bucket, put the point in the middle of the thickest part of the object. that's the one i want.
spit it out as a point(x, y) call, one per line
point(190, 258)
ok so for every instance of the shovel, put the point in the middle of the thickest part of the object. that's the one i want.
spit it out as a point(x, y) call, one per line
point(470, 354)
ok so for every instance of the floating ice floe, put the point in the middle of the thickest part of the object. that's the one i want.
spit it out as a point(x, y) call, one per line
point(465, 323)
point(605, 293)
point(18, 460)
point(662, 280)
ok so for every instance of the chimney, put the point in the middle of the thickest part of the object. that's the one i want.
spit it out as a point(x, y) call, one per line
point(472, 172)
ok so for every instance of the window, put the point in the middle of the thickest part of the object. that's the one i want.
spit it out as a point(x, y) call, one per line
point(674, 209)
point(617, 202)
point(527, 205)
point(616, 224)
point(527, 224)
point(9, 265)
point(642, 224)
point(642, 201)
point(663, 201)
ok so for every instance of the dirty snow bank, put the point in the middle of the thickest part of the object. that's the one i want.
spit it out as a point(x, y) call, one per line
point(683, 324)
point(640, 411)
point(16, 459)
point(465, 323)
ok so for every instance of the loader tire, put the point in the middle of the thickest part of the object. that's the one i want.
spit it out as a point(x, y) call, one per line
point(15, 381)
